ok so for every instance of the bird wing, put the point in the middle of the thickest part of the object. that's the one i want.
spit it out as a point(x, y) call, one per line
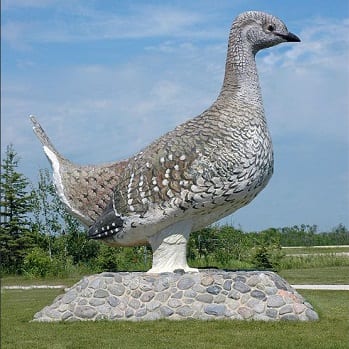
point(160, 177)
point(167, 172)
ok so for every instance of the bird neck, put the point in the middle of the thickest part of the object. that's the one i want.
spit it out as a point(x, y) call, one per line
point(241, 77)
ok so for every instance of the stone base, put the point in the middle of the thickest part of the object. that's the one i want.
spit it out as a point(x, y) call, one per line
point(206, 295)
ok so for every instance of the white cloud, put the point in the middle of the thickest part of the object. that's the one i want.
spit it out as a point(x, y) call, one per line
point(322, 40)
point(306, 85)
point(76, 23)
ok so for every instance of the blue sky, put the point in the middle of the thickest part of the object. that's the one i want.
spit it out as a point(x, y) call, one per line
point(105, 78)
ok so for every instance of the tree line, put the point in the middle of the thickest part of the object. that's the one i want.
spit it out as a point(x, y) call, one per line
point(39, 238)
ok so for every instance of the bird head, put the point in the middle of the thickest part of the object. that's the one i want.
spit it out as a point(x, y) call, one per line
point(262, 30)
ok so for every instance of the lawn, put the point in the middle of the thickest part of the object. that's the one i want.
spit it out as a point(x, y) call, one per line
point(25, 281)
point(18, 308)
point(316, 276)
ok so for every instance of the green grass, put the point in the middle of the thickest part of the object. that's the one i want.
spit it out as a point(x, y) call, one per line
point(25, 281)
point(18, 308)
point(330, 332)
point(317, 276)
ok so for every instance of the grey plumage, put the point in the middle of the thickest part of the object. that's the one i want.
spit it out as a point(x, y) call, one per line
point(201, 171)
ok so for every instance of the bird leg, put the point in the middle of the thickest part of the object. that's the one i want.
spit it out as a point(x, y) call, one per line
point(170, 249)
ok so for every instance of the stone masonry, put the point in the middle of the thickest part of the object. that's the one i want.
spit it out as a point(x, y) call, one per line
point(208, 294)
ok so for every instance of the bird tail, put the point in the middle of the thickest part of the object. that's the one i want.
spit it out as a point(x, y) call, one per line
point(84, 190)
point(59, 166)
point(45, 141)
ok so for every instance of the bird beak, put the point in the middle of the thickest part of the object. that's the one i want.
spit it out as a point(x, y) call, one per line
point(289, 37)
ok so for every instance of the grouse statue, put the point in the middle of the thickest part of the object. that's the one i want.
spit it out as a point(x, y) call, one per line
point(202, 171)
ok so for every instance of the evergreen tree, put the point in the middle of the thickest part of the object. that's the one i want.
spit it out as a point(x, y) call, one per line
point(16, 203)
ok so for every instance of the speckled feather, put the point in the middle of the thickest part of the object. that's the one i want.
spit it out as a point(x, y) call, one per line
point(203, 170)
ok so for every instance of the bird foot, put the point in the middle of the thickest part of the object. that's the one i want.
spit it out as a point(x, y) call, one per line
point(170, 249)
point(172, 269)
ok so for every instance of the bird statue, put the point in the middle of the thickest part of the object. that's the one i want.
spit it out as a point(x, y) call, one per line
point(202, 171)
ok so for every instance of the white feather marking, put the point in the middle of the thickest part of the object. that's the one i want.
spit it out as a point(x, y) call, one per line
point(57, 180)
point(114, 208)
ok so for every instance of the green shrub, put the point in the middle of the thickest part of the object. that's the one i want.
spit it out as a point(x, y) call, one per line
point(62, 266)
point(267, 252)
point(107, 259)
point(267, 256)
point(122, 258)
point(37, 263)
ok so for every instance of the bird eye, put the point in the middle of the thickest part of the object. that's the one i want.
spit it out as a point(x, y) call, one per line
point(270, 28)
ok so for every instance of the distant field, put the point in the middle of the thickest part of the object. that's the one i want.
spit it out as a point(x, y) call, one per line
point(317, 276)
point(316, 250)
point(314, 258)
